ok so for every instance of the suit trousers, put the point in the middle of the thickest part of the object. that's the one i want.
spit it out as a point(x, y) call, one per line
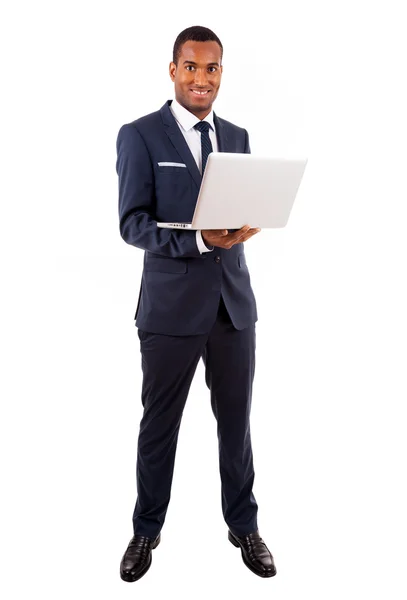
point(168, 365)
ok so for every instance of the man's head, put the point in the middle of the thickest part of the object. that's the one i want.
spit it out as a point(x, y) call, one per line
point(196, 69)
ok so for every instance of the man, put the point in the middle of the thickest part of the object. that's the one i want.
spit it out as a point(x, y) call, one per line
point(195, 301)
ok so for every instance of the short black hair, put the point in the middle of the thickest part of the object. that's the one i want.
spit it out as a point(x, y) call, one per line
point(194, 34)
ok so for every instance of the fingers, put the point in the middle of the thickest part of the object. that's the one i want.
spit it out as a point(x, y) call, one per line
point(223, 239)
point(245, 233)
point(238, 237)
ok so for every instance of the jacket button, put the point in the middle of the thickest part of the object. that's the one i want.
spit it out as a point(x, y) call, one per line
point(217, 259)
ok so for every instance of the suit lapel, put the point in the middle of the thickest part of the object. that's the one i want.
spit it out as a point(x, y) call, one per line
point(177, 139)
point(221, 135)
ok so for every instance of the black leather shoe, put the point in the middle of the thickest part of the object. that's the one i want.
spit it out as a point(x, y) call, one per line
point(137, 559)
point(255, 554)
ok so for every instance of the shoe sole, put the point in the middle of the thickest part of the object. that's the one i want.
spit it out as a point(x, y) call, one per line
point(233, 541)
point(129, 579)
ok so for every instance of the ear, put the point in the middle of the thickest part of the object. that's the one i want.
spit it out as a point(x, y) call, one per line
point(172, 69)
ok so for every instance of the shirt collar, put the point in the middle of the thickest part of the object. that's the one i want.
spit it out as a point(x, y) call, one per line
point(186, 119)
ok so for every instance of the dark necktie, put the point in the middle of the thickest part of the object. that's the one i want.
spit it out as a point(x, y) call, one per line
point(206, 145)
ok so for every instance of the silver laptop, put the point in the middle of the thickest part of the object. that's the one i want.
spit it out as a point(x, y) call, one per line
point(243, 189)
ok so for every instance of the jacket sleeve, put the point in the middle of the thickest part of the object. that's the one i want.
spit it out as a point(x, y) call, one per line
point(138, 226)
point(246, 143)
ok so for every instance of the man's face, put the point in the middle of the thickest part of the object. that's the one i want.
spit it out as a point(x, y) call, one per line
point(197, 76)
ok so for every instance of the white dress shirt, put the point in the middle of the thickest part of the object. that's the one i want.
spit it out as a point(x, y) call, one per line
point(186, 121)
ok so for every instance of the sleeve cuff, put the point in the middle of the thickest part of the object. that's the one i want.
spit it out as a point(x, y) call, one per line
point(201, 244)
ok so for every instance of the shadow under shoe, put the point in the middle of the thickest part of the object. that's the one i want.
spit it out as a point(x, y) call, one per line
point(255, 554)
point(137, 559)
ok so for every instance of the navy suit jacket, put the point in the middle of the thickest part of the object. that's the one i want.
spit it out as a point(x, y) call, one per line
point(180, 288)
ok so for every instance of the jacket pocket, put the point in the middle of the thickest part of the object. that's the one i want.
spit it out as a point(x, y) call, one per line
point(241, 259)
point(166, 265)
point(172, 169)
point(172, 164)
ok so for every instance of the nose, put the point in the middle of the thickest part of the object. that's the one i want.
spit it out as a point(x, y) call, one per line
point(201, 78)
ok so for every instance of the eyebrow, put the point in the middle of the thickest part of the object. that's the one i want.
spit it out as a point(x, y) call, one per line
point(191, 62)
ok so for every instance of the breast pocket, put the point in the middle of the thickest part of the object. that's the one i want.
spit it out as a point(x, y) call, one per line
point(171, 168)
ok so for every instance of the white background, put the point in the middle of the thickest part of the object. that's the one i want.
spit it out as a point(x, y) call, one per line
point(324, 79)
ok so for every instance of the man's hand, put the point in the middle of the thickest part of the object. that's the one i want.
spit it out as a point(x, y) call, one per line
point(223, 239)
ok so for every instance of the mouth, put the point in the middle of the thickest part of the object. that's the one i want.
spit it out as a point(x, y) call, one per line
point(200, 93)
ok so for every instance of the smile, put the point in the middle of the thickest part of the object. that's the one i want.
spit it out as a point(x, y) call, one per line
point(200, 92)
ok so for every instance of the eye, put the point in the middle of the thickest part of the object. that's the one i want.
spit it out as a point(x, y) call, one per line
point(214, 69)
point(189, 67)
